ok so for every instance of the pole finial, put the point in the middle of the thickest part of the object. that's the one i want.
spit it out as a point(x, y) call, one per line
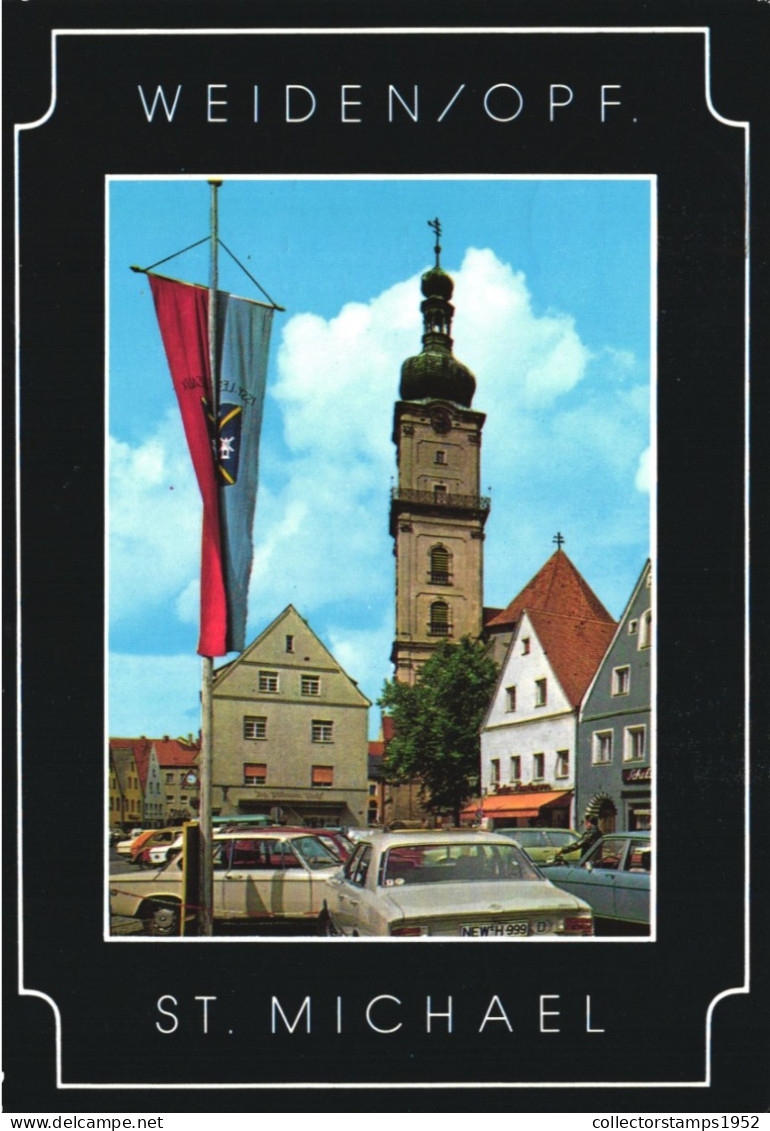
point(436, 226)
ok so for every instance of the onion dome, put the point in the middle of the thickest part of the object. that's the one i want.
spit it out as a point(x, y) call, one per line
point(436, 374)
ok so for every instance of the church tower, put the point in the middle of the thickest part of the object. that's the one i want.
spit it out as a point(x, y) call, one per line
point(437, 514)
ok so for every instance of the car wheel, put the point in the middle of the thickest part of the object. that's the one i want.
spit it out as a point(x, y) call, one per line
point(163, 920)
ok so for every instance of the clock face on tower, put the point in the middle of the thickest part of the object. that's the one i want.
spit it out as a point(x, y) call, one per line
point(441, 420)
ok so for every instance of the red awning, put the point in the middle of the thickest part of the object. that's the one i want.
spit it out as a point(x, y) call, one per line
point(522, 804)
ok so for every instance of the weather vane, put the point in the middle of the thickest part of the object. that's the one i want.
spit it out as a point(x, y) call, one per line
point(436, 225)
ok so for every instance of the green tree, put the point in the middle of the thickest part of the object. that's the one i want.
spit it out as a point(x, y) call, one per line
point(436, 725)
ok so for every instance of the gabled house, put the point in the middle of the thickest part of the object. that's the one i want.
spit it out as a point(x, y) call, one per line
point(177, 760)
point(125, 798)
point(290, 731)
point(554, 635)
point(615, 738)
point(153, 807)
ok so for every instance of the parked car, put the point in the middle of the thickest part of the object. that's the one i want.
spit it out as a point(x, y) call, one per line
point(139, 849)
point(158, 854)
point(541, 845)
point(338, 844)
point(268, 876)
point(124, 846)
point(614, 877)
point(441, 884)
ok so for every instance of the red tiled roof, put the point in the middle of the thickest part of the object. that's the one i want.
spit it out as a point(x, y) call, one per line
point(388, 728)
point(376, 749)
point(556, 588)
point(575, 647)
point(173, 752)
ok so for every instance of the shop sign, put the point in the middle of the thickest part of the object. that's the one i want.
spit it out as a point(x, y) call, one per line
point(639, 774)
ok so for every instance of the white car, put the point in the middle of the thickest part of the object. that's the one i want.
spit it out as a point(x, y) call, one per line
point(257, 876)
point(158, 854)
point(448, 884)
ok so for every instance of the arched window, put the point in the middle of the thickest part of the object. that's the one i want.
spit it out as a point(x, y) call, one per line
point(439, 619)
point(440, 561)
point(645, 630)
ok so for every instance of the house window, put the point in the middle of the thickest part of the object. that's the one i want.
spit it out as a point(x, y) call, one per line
point(645, 631)
point(289, 643)
point(254, 726)
point(601, 747)
point(515, 768)
point(621, 681)
point(169, 779)
point(268, 681)
point(310, 685)
point(322, 730)
point(538, 766)
point(634, 744)
point(510, 693)
point(323, 776)
point(494, 771)
point(439, 493)
point(562, 763)
point(439, 619)
point(541, 692)
point(525, 644)
point(439, 566)
point(632, 627)
point(254, 773)
point(440, 457)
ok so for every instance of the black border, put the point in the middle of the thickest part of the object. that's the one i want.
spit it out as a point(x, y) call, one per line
point(700, 598)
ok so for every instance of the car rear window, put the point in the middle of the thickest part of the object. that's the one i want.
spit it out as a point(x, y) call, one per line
point(455, 863)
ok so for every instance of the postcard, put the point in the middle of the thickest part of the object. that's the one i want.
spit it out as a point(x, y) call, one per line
point(492, 284)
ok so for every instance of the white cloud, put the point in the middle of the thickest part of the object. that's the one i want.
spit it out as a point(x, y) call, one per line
point(154, 520)
point(363, 654)
point(643, 479)
point(525, 357)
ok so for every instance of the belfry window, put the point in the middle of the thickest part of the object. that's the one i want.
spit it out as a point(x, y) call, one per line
point(439, 619)
point(439, 566)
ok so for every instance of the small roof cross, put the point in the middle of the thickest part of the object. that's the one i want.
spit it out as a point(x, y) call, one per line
point(436, 225)
point(559, 539)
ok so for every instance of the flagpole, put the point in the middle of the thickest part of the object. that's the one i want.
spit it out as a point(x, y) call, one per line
point(206, 892)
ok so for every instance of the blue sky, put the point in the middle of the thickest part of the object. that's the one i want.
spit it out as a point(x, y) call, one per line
point(552, 297)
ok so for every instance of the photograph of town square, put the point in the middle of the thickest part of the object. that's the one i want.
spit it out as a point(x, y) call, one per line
point(437, 720)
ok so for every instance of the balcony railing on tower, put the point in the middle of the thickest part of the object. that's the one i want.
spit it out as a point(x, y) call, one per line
point(440, 499)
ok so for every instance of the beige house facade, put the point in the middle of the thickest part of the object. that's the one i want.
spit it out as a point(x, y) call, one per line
point(125, 799)
point(290, 732)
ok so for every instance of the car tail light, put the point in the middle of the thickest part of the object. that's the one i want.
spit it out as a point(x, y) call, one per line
point(579, 925)
point(402, 932)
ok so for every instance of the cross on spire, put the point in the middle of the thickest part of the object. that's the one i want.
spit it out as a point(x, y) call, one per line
point(436, 225)
point(559, 539)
